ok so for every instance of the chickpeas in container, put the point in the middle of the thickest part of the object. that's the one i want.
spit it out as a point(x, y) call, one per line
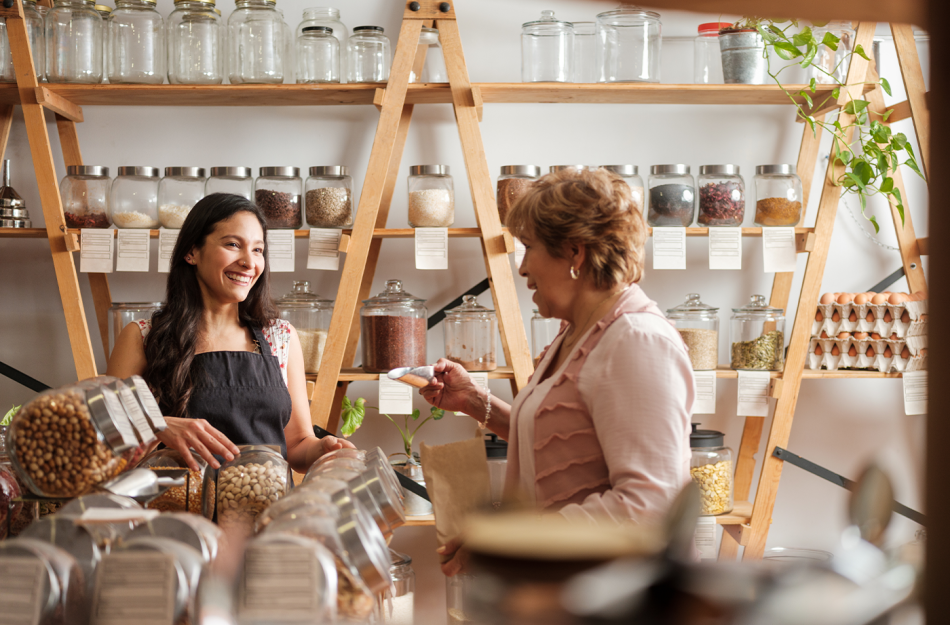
point(250, 483)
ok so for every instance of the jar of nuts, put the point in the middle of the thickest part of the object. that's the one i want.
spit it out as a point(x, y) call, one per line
point(199, 485)
point(711, 470)
point(247, 485)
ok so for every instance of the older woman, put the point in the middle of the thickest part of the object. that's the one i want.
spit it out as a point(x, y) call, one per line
point(602, 428)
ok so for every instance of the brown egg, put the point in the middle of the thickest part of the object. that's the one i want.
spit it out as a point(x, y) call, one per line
point(860, 299)
point(879, 298)
point(887, 352)
point(860, 335)
point(853, 351)
point(818, 350)
point(870, 316)
point(853, 316)
point(843, 335)
point(845, 298)
point(819, 316)
point(887, 316)
point(905, 353)
point(923, 351)
point(827, 298)
point(905, 317)
point(835, 351)
point(875, 336)
point(896, 299)
point(824, 334)
point(893, 336)
point(870, 352)
point(835, 316)
point(924, 316)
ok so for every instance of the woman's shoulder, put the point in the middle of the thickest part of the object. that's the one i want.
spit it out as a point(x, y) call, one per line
point(144, 326)
point(639, 326)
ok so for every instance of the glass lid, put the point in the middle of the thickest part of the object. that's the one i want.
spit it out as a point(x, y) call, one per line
point(302, 297)
point(758, 304)
point(469, 307)
point(692, 305)
point(393, 293)
point(548, 24)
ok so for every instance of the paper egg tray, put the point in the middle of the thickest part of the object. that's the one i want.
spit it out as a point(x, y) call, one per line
point(878, 362)
point(916, 324)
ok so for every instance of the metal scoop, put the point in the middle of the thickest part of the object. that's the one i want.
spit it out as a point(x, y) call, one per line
point(418, 377)
point(145, 484)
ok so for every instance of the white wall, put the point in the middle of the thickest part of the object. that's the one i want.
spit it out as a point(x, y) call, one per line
point(839, 424)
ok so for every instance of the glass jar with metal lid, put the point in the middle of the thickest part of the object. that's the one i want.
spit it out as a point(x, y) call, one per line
point(256, 43)
point(778, 196)
point(122, 314)
point(547, 50)
point(277, 192)
point(195, 40)
point(179, 191)
point(630, 175)
point(710, 466)
point(85, 192)
point(61, 589)
point(721, 195)
point(514, 182)
point(74, 38)
point(672, 196)
point(431, 197)
point(630, 43)
point(136, 43)
point(13, 212)
point(35, 33)
point(318, 56)
point(310, 314)
point(247, 485)
point(368, 55)
point(434, 68)
point(196, 496)
point(399, 603)
point(543, 332)
point(758, 336)
point(470, 331)
point(329, 199)
point(553, 169)
point(393, 330)
point(236, 180)
point(698, 324)
point(133, 202)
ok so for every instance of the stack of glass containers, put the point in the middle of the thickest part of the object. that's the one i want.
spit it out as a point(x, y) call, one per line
point(195, 42)
point(136, 46)
point(470, 331)
point(256, 43)
point(630, 41)
point(547, 50)
point(310, 314)
point(178, 192)
point(74, 36)
point(85, 192)
point(37, 37)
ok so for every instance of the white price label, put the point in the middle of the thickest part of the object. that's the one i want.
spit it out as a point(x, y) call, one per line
point(394, 397)
point(280, 250)
point(21, 590)
point(278, 585)
point(705, 537)
point(754, 393)
point(669, 248)
point(136, 414)
point(323, 252)
point(95, 253)
point(135, 587)
point(778, 250)
point(166, 245)
point(705, 384)
point(915, 393)
point(132, 250)
point(432, 248)
point(725, 248)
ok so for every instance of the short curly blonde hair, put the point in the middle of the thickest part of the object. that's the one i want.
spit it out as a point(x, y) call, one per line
point(595, 209)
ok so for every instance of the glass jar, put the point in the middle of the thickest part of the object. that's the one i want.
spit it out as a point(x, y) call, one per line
point(543, 332)
point(585, 52)
point(329, 17)
point(318, 56)
point(74, 35)
point(195, 40)
point(188, 564)
point(298, 503)
point(393, 330)
point(10, 489)
point(553, 169)
point(310, 314)
point(61, 593)
point(105, 12)
point(256, 43)
point(368, 55)
point(496, 450)
point(470, 332)
point(758, 336)
point(178, 192)
point(196, 496)
point(85, 193)
point(399, 604)
point(255, 479)
point(630, 41)
point(707, 58)
point(672, 196)
point(630, 175)
point(190, 529)
point(433, 70)
point(778, 195)
point(831, 66)
point(122, 314)
point(37, 37)
point(277, 192)
point(547, 50)
point(514, 182)
point(82, 543)
point(710, 466)
point(431, 197)
point(236, 180)
point(698, 324)
point(136, 43)
point(133, 202)
point(458, 598)
point(329, 199)
point(721, 195)
point(290, 55)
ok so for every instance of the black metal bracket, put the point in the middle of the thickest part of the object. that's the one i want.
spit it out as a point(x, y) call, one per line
point(888, 281)
point(21, 378)
point(476, 290)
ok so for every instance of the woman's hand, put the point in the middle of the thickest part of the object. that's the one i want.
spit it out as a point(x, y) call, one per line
point(452, 389)
point(454, 557)
point(184, 435)
point(332, 443)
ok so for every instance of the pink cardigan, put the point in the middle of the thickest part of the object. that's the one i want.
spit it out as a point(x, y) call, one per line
point(621, 464)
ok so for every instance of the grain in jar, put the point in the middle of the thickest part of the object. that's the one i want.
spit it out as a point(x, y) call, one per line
point(329, 197)
point(431, 197)
point(310, 315)
point(393, 330)
point(779, 196)
point(698, 324)
point(710, 468)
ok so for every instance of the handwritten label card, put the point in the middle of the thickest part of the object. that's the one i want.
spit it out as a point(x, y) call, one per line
point(323, 252)
point(432, 248)
point(725, 248)
point(132, 407)
point(135, 587)
point(705, 402)
point(21, 591)
point(95, 254)
point(394, 397)
point(915, 393)
point(669, 248)
point(279, 585)
point(754, 393)
point(132, 250)
point(705, 537)
point(166, 245)
point(778, 249)
point(280, 250)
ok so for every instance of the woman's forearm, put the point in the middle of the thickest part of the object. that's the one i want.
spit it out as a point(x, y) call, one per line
point(500, 418)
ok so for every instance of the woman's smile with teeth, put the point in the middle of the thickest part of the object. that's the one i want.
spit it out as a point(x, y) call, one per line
point(236, 277)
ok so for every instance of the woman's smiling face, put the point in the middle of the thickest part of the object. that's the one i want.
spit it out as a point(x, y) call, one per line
point(548, 276)
point(231, 259)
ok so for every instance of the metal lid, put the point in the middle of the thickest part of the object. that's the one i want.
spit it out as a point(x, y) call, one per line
point(185, 172)
point(669, 169)
point(758, 304)
point(184, 528)
point(700, 439)
point(468, 307)
point(547, 23)
point(622, 170)
point(109, 416)
point(318, 29)
point(366, 548)
point(134, 410)
point(728, 170)
point(135, 306)
point(14, 213)
point(556, 168)
point(150, 172)
point(280, 172)
point(87, 170)
point(393, 293)
point(373, 482)
point(692, 305)
point(495, 447)
point(429, 170)
point(237, 172)
point(330, 170)
point(775, 169)
point(101, 8)
point(628, 10)
point(521, 170)
point(302, 297)
point(16, 223)
point(211, 2)
point(399, 559)
point(378, 29)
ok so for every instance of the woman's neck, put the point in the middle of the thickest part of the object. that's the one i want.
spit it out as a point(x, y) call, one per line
point(589, 306)
point(218, 318)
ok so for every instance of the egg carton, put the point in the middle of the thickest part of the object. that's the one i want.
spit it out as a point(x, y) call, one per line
point(871, 318)
point(916, 346)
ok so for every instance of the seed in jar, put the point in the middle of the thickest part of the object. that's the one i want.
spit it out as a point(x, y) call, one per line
point(715, 485)
point(329, 207)
point(173, 215)
point(134, 219)
point(703, 346)
point(431, 208)
point(312, 343)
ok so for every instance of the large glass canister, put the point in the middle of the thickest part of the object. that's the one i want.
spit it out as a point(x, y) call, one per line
point(393, 330)
point(698, 324)
point(496, 450)
point(60, 594)
point(236, 180)
point(85, 192)
point(329, 198)
point(547, 50)
point(630, 175)
point(368, 55)
point(710, 466)
point(277, 192)
point(195, 41)
point(247, 485)
point(122, 314)
point(136, 43)
point(513, 182)
point(74, 35)
point(179, 191)
point(707, 57)
point(133, 202)
point(672, 196)
point(318, 56)
point(543, 332)
point(196, 496)
point(433, 70)
point(310, 314)
point(758, 336)
point(37, 37)
point(630, 40)
point(778, 196)
point(329, 17)
point(458, 599)
point(431, 197)
point(585, 52)
point(831, 66)
point(721, 195)
point(256, 43)
point(399, 604)
point(470, 331)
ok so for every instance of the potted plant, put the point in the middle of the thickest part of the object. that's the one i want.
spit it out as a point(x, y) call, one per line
point(744, 57)
point(352, 416)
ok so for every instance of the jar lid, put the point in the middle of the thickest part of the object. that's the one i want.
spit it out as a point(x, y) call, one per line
point(87, 170)
point(699, 439)
point(469, 306)
point(265, 449)
point(669, 169)
point(692, 305)
point(622, 170)
point(302, 297)
point(135, 306)
point(758, 304)
point(148, 172)
point(318, 29)
point(775, 169)
point(521, 170)
point(101, 8)
point(185, 172)
point(330, 170)
point(429, 170)
point(378, 29)
point(399, 559)
point(211, 2)
point(365, 546)
point(728, 170)
point(429, 36)
point(238, 172)
point(556, 168)
point(629, 10)
point(713, 27)
point(280, 172)
point(495, 447)
point(392, 293)
point(548, 23)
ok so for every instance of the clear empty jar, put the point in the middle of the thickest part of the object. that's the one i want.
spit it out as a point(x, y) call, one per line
point(721, 195)
point(179, 191)
point(711, 469)
point(277, 192)
point(707, 58)
point(547, 50)
point(85, 192)
point(195, 39)
point(629, 50)
point(368, 55)
point(698, 324)
point(235, 180)
point(758, 336)
point(431, 197)
point(778, 195)
point(134, 199)
point(329, 199)
point(543, 332)
point(256, 43)
point(329, 17)
point(672, 196)
point(393, 330)
point(830, 66)
point(585, 52)
point(318, 56)
point(105, 12)
point(136, 43)
point(514, 182)
point(630, 175)
point(470, 331)
point(434, 68)
point(74, 36)
point(34, 31)
point(122, 314)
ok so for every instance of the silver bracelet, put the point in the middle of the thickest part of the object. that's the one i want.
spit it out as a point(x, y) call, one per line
point(484, 424)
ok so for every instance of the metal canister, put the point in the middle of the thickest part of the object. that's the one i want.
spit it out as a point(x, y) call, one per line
point(743, 57)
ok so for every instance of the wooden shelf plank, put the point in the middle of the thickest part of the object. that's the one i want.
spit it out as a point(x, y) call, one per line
point(724, 371)
point(356, 374)
point(23, 233)
point(741, 513)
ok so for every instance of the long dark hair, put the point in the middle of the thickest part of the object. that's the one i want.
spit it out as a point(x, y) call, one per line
point(170, 345)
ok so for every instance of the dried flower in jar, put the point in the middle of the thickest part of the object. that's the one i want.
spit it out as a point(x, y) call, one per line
point(721, 204)
point(765, 353)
